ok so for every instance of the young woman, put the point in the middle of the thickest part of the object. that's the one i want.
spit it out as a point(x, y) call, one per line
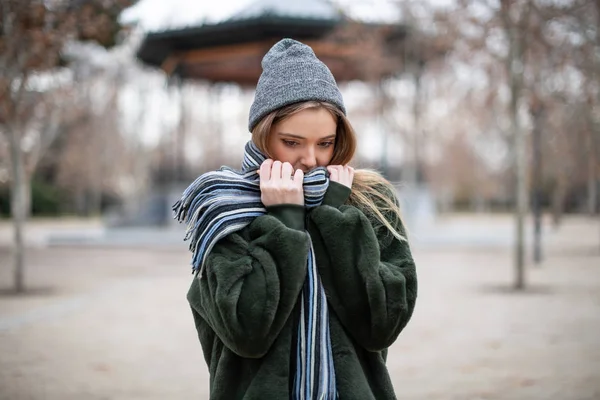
point(303, 275)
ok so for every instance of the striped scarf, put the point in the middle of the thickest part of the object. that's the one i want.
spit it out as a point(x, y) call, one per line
point(221, 202)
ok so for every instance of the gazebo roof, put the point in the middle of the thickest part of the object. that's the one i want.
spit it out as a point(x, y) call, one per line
point(307, 9)
point(231, 50)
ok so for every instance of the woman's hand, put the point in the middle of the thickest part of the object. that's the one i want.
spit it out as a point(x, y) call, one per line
point(278, 185)
point(341, 174)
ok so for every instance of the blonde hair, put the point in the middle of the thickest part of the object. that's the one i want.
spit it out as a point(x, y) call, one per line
point(371, 192)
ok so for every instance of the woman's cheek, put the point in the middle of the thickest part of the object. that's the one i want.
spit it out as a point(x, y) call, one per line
point(325, 158)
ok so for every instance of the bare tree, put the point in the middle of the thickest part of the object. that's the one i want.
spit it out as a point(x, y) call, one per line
point(575, 40)
point(32, 36)
point(510, 42)
point(515, 18)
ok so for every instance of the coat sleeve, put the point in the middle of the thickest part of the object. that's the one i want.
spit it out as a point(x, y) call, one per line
point(253, 279)
point(369, 276)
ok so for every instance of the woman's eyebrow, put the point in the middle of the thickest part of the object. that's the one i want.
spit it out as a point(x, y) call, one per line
point(291, 135)
point(302, 137)
point(329, 137)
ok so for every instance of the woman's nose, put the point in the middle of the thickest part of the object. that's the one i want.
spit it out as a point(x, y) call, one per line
point(309, 159)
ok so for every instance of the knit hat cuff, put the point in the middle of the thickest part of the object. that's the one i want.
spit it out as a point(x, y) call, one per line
point(269, 98)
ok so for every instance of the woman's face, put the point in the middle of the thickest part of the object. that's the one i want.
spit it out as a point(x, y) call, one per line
point(306, 139)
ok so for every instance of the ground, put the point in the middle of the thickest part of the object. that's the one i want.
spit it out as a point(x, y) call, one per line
point(111, 322)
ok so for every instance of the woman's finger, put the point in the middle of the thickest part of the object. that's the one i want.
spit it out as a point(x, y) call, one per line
point(265, 170)
point(334, 174)
point(276, 171)
point(286, 171)
point(351, 171)
point(299, 178)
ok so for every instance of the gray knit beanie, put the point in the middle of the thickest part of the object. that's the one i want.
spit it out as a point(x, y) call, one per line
point(291, 74)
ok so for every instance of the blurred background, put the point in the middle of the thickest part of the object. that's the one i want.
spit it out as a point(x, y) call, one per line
point(485, 115)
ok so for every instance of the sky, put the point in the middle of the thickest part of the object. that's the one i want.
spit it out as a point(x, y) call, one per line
point(153, 15)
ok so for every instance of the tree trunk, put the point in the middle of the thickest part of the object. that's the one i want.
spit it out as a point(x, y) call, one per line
point(380, 98)
point(515, 67)
point(20, 204)
point(417, 112)
point(558, 199)
point(596, 125)
point(592, 177)
point(181, 135)
point(521, 189)
point(537, 113)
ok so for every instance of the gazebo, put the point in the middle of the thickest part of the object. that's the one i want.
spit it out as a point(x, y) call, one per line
point(231, 50)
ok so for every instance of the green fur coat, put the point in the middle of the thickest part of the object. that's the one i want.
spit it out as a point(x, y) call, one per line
point(245, 308)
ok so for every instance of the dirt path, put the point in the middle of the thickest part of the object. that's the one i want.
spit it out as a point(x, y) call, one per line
point(106, 323)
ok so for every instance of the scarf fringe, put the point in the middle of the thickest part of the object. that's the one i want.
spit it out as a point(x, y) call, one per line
point(209, 196)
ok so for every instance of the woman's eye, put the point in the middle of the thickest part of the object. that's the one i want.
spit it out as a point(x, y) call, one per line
point(290, 143)
point(326, 144)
